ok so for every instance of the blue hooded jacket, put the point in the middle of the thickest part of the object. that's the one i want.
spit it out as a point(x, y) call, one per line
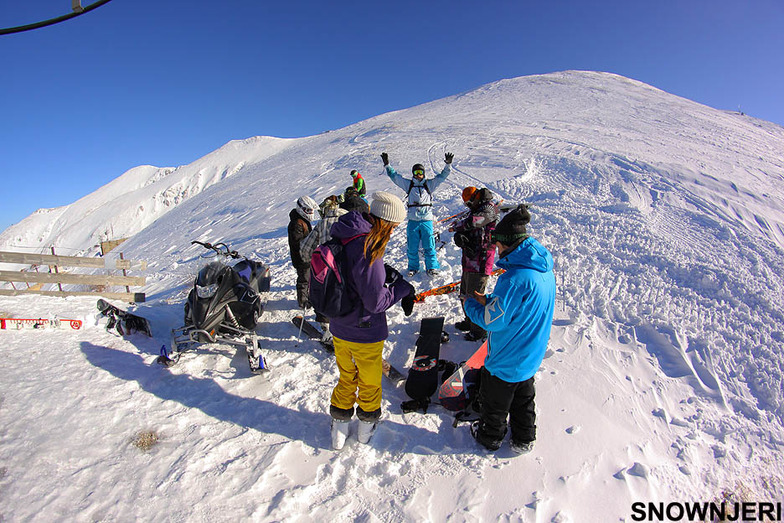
point(519, 313)
point(367, 321)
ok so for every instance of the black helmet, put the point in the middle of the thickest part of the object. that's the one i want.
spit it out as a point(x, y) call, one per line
point(418, 167)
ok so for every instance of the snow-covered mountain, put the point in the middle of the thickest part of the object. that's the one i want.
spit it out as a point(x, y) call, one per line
point(134, 200)
point(663, 381)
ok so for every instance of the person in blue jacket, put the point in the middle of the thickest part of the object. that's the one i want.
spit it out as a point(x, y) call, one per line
point(518, 316)
point(419, 191)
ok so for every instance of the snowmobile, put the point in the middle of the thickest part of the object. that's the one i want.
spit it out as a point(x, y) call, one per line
point(224, 306)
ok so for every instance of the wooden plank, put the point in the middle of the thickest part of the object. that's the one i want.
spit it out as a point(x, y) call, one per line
point(74, 279)
point(70, 261)
point(130, 297)
point(107, 247)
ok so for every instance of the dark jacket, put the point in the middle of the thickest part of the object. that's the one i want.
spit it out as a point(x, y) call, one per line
point(367, 322)
point(472, 234)
point(299, 228)
point(355, 203)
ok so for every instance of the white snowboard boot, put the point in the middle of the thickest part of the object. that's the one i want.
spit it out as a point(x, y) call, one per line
point(365, 431)
point(339, 433)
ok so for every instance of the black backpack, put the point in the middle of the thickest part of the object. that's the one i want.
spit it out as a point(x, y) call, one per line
point(411, 187)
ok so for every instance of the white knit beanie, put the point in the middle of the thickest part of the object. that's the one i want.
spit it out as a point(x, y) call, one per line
point(388, 207)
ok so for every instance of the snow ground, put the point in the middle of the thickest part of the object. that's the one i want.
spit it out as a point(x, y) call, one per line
point(663, 380)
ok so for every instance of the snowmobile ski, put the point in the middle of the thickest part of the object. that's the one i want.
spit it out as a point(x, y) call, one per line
point(124, 322)
point(38, 323)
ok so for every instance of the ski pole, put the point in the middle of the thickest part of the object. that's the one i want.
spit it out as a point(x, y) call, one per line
point(302, 323)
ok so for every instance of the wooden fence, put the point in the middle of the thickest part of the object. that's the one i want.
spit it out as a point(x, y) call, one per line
point(100, 282)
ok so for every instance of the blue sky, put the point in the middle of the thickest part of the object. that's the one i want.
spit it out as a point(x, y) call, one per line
point(165, 82)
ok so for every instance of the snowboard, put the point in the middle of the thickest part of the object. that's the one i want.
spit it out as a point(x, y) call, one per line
point(446, 289)
point(38, 323)
point(422, 379)
point(394, 375)
point(124, 322)
point(453, 392)
point(312, 332)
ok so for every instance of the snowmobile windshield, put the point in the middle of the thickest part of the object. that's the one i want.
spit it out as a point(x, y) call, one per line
point(207, 281)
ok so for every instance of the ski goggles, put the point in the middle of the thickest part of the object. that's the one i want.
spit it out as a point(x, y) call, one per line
point(419, 172)
point(506, 239)
point(307, 210)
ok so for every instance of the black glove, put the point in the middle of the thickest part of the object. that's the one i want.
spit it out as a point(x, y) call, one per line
point(448, 157)
point(392, 275)
point(408, 304)
point(408, 301)
point(385, 159)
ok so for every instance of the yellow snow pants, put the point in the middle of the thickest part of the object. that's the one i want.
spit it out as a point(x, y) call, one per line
point(360, 375)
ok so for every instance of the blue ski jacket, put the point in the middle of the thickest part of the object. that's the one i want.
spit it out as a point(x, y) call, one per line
point(420, 201)
point(519, 313)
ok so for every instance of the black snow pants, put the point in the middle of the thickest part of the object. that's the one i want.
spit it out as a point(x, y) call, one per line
point(303, 272)
point(500, 399)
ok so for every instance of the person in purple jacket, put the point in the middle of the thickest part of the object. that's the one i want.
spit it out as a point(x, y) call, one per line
point(359, 335)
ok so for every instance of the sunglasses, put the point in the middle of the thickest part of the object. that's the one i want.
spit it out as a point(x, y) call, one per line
point(419, 172)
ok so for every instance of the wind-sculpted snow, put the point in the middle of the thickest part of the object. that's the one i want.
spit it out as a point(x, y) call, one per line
point(673, 265)
point(662, 380)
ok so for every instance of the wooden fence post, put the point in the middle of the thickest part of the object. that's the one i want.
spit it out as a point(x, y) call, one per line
point(127, 289)
point(59, 285)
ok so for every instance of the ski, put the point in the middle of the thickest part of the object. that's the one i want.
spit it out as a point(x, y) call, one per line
point(312, 332)
point(460, 215)
point(446, 289)
point(38, 323)
point(256, 361)
point(124, 322)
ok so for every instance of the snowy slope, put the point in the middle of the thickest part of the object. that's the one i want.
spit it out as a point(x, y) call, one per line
point(131, 202)
point(663, 381)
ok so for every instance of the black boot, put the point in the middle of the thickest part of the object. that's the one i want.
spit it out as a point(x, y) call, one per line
point(464, 325)
point(487, 442)
point(475, 336)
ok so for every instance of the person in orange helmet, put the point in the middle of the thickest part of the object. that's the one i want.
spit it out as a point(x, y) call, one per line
point(473, 236)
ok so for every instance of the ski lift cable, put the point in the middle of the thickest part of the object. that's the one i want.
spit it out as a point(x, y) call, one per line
point(77, 10)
